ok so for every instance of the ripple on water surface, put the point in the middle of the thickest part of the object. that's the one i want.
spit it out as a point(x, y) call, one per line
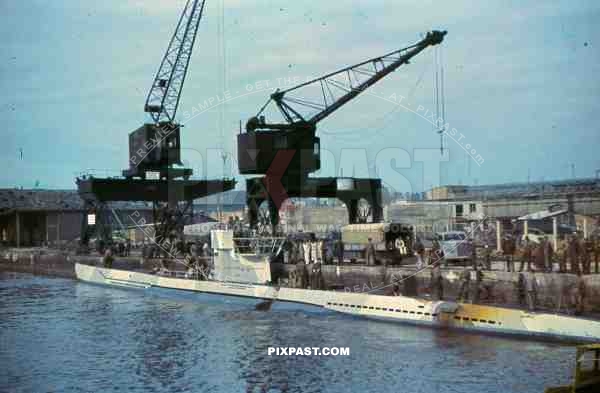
point(61, 335)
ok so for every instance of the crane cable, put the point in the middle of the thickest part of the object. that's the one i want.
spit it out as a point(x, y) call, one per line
point(439, 97)
point(352, 134)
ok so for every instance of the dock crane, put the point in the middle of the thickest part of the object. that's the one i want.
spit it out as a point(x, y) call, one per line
point(154, 149)
point(295, 137)
point(162, 102)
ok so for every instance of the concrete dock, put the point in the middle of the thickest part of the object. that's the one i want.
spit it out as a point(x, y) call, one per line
point(498, 287)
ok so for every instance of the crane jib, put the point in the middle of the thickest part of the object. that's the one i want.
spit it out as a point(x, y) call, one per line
point(345, 79)
point(163, 98)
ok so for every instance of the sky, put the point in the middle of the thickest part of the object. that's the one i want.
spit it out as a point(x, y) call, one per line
point(521, 86)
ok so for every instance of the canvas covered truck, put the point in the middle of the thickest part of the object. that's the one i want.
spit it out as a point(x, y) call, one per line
point(392, 242)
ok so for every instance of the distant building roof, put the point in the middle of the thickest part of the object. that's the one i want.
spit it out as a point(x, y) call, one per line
point(12, 199)
point(490, 191)
point(16, 199)
point(50, 200)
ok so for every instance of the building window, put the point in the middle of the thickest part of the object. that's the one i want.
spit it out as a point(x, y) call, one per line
point(472, 208)
point(459, 210)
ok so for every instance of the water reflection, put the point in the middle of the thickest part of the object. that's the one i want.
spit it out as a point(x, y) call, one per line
point(60, 335)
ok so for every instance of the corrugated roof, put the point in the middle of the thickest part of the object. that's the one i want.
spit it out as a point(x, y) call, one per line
point(38, 200)
point(11, 199)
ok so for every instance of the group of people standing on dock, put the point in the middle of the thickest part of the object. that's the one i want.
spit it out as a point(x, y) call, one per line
point(312, 250)
point(573, 255)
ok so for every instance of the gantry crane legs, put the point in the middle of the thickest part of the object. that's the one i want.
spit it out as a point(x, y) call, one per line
point(154, 149)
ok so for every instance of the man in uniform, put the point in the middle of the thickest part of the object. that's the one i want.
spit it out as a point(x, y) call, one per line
point(531, 286)
point(317, 278)
point(107, 260)
point(306, 252)
point(596, 253)
point(562, 256)
point(508, 249)
point(437, 287)
point(370, 253)
point(471, 244)
point(578, 294)
point(548, 254)
point(292, 279)
point(339, 251)
point(573, 254)
point(436, 252)
point(477, 285)
point(396, 289)
point(487, 256)
point(539, 256)
point(587, 251)
point(419, 250)
point(522, 289)
point(465, 279)
point(301, 280)
point(527, 254)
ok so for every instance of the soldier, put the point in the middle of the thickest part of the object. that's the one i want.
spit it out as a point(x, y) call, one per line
point(108, 259)
point(144, 255)
point(473, 253)
point(508, 249)
point(292, 279)
point(562, 257)
point(578, 294)
point(317, 278)
point(194, 250)
point(573, 254)
point(370, 253)
point(527, 254)
point(436, 253)
point(437, 287)
point(522, 289)
point(539, 256)
point(190, 263)
point(396, 289)
point(306, 252)
point(120, 249)
point(531, 286)
point(587, 251)
point(298, 252)
point(319, 244)
point(314, 249)
point(339, 251)
point(548, 254)
point(477, 285)
point(465, 279)
point(419, 250)
point(487, 256)
point(596, 253)
point(300, 275)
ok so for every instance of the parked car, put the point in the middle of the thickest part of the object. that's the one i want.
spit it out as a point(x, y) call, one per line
point(534, 235)
point(455, 245)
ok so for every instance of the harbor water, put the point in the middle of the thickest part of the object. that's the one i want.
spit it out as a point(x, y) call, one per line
point(61, 335)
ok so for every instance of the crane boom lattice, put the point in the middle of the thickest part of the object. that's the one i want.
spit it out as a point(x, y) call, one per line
point(163, 97)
